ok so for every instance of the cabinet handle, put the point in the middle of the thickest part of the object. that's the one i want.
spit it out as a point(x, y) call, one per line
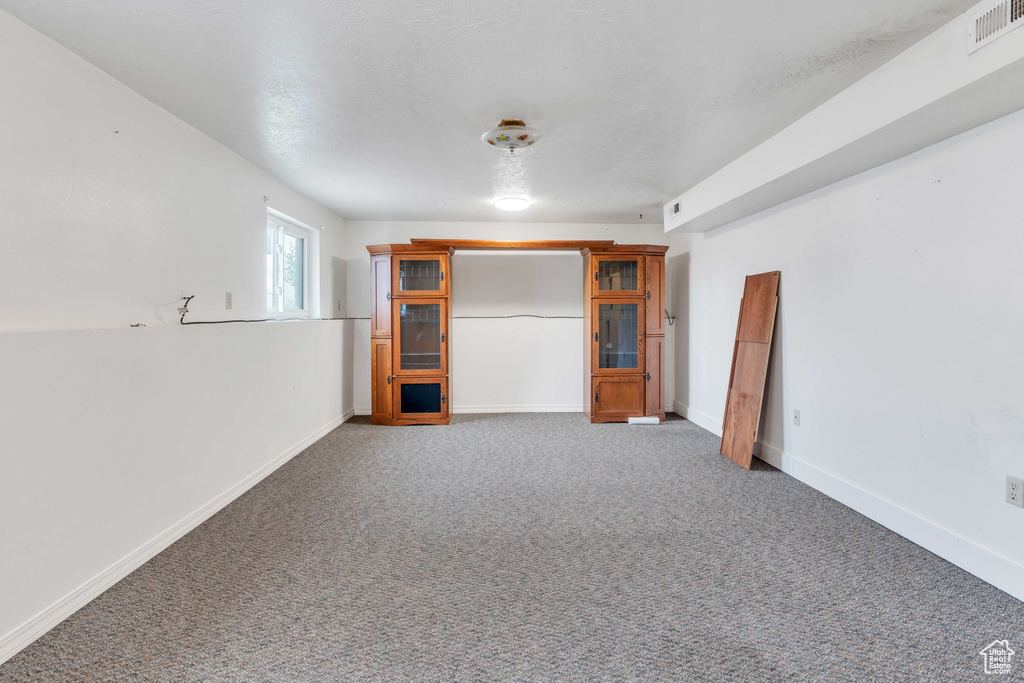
point(389, 379)
point(595, 275)
point(442, 398)
point(648, 377)
point(442, 276)
point(595, 398)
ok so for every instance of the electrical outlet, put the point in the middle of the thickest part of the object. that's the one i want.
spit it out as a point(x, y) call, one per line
point(1014, 491)
point(796, 417)
point(227, 300)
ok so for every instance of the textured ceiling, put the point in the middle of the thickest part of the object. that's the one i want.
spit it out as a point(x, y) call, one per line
point(375, 109)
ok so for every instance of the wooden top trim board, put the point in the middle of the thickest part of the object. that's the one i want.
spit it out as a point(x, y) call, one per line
point(567, 245)
point(626, 249)
point(409, 249)
point(419, 245)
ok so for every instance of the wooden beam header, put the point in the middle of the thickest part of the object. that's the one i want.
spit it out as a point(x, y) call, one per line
point(422, 246)
point(565, 245)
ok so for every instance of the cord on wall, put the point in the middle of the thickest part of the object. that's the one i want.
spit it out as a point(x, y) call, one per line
point(183, 309)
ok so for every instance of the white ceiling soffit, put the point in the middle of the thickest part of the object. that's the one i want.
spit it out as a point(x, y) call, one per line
point(938, 88)
point(375, 109)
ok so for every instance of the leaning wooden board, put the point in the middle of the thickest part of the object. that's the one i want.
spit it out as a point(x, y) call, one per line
point(749, 366)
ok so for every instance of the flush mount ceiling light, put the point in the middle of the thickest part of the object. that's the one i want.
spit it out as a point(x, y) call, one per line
point(512, 203)
point(511, 134)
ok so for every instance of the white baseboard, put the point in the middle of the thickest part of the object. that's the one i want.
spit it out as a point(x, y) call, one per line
point(347, 415)
point(361, 411)
point(556, 408)
point(703, 420)
point(986, 564)
point(24, 635)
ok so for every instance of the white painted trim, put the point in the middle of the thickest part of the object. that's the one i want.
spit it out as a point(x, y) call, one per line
point(773, 456)
point(288, 219)
point(574, 408)
point(347, 415)
point(703, 420)
point(24, 635)
point(986, 564)
point(362, 411)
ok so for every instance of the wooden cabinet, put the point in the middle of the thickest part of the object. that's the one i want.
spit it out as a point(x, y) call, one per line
point(655, 295)
point(420, 334)
point(409, 327)
point(624, 287)
point(618, 275)
point(420, 275)
point(617, 399)
point(410, 323)
point(421, 400)
point(655, 359)
point(381, 394)
point(618, 336)
point(380, 295)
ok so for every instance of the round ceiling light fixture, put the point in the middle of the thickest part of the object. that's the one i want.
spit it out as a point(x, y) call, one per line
point(512, 203)
point(511, 134)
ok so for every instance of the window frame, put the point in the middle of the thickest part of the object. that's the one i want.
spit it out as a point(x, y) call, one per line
point(284, 226)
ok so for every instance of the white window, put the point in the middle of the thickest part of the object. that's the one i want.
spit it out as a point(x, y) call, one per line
point(288, 249)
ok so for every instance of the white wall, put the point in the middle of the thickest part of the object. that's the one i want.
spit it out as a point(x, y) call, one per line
point(898, 338)
point(115, 440)
point(518, 364)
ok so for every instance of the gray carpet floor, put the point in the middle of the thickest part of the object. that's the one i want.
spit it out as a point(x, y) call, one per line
point(532, 547)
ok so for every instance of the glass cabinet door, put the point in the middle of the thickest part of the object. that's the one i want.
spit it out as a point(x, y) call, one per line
point(421, 328)
point(418, 398)
point(618, 276)
point(617, 331)
point(421, 275)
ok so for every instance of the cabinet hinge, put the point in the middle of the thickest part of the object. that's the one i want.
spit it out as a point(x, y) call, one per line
point(442, 276)
point(595, 336)
point(442, 337)
point(442, 398)
point(595, 275)
point(389, 379)
point(389, 296)
point(648, 377)
point(648, 295)
point(595, 398)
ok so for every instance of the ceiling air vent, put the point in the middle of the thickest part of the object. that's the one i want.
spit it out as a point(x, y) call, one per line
point(993, 22)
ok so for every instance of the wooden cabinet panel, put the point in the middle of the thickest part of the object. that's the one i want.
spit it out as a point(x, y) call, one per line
point(617, 336)
point(655, 294)
point(380, 295)
point(420, 334)
point(655, 404)
point(747, 378)
point(617, 276)
point(381, 380)
point(617, 398)
point(757, 308)
point(420, 275)
point(421, 400)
